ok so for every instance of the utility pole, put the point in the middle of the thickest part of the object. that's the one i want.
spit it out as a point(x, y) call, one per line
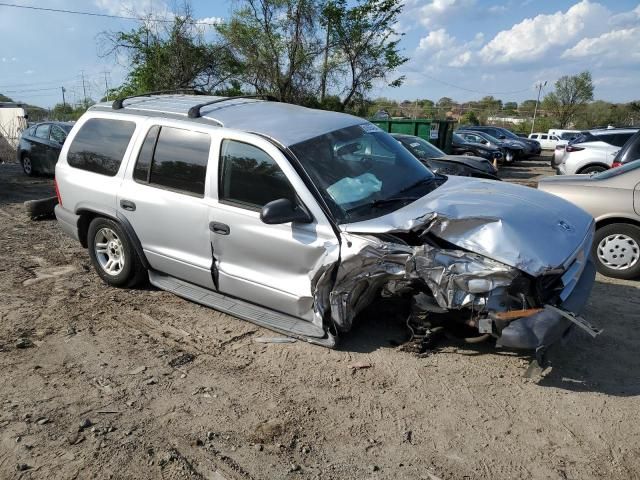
point(64, 103)
point(539, 85)
point(106, 86)
point(325, 66)
point(84, 89)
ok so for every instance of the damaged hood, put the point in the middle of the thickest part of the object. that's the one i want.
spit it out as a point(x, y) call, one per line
point(519, 226)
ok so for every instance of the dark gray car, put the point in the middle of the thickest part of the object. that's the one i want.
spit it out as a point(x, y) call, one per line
point(440, 162)
point(40, 146)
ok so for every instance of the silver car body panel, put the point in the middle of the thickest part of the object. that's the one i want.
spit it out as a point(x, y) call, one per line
point(321, 272)
point(493, 219)
point(246, 114)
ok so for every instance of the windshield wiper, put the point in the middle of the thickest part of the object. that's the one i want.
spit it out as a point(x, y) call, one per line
point(385, 201)
point(422, 181)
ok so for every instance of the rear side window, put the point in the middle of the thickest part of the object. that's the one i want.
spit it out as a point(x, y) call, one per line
point(100, 144)
point(620, 139)
point(174, 158)
point(42, 131)
point(250, 177)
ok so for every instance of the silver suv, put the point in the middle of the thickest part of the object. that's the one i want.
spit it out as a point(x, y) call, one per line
point(297, 219)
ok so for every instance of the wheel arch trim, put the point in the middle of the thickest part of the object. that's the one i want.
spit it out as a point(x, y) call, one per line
point(86, 216)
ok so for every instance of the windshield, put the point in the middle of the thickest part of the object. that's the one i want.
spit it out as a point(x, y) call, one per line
point(489, 137)
point(362, 172)
point(420, 147)
point(509, 134)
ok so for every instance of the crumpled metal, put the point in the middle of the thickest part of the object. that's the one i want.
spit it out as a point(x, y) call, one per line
point(454, 277)
point(521, 227)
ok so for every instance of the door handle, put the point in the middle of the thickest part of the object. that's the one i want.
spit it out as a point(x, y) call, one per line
point(128, 205)
point(219, 228)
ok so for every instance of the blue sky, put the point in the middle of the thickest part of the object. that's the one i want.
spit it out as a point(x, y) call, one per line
point(463, 49)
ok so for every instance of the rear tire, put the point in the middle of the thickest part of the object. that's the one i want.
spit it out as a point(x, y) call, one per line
point(593, 169)
point(616, 250)
point(112, 254)
point(27, 166)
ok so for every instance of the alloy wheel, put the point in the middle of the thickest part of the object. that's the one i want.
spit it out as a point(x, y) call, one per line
point(109, 251)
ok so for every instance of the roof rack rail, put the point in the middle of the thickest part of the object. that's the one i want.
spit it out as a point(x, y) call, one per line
point(117, 104)
point(194, 112)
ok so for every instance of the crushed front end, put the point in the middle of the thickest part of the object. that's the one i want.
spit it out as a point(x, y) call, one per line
point(504, 288)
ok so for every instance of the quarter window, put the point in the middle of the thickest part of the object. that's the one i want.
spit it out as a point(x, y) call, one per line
point(174, 158)
point(42, 131)
point(57, 134)
point(100, 145)
point(250, 177)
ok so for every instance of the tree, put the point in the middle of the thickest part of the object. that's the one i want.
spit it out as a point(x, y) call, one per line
point(570, 95)
point(527, 107)
point(510, 107)
point(168, 57)
point(469, 118)
point(275, 44)
point(364, 43)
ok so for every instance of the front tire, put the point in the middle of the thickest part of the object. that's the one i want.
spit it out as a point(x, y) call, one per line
point(27, 166)
point(616, 250)
point(509, 157)
point(112, 254)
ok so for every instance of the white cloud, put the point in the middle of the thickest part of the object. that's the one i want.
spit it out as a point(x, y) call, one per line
point(614, 47)
point(434, 13)
point(533, 38)
point(212, 20)
point(498, 9)
point(439, 48)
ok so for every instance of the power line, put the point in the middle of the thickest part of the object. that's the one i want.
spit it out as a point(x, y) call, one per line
point(46, 82)
point(467, 89)
point(95, 14)
point(30, 90)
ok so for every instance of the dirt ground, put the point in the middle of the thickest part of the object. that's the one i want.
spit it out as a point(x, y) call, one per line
point(98, 382)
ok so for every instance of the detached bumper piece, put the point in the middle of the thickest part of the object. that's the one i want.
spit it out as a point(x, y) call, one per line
point(548, 325)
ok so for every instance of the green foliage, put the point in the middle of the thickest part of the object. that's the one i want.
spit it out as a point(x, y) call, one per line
point(170, 57)
point(364, 44)
point(469, 118)
point(274, 45)
point(570, 96)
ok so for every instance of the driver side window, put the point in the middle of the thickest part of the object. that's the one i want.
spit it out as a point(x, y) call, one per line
point(249, 178)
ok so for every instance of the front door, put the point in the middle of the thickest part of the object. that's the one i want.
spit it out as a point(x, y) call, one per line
point(163, 197)
point(269, 265)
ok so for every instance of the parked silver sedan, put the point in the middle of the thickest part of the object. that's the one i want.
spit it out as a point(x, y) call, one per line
point(613, 198)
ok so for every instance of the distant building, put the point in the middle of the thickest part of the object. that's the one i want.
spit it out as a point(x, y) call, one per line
point(514, 120)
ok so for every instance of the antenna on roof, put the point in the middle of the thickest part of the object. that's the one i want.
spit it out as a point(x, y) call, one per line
point(194, 112)
point(117, 103)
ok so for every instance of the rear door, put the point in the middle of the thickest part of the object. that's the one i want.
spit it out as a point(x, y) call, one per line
point(163, 197)
point(269, 265)
point(57, 136)
point(39, 144)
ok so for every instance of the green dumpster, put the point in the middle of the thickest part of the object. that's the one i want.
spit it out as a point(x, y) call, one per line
point(438, 132)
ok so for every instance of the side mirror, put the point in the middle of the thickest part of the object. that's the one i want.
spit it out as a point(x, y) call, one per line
point(501, 137)
point(283, 210)
point(484, 142)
